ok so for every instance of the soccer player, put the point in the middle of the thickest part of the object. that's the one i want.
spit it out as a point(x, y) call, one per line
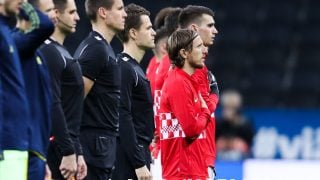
point(33, 28)
point(101, 76)
point(159, 51)
point(15, 112)
point(160, 45)
point(65, 152)
point(183, 113)
point(171, 24)
point(136, 125)
point(201, 20)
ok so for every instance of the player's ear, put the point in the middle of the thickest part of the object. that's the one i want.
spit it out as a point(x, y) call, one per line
point(132, 34)
point(102, 12)
point(163, 48)
point(194, 27)
point(183, 53)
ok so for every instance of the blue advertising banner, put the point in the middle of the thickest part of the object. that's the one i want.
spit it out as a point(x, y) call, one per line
point(286, 133)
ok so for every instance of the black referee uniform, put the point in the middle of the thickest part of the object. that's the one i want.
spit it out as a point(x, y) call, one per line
point(68, 92)
point(136, 120)
point(100, 121)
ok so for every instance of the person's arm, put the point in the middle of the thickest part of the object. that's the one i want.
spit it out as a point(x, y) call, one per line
point(56, 64)
point(213, 90)
point(77, 146)
point(92, 60)
point(209, 96)
point(133, 150)
point(183, 107)
point(88, 83)
point(81, 168)
point(42, 28)
point(128, 137)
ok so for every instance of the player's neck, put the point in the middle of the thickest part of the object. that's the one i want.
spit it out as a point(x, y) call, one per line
point(102, 29)
point(188, 69)
point(158, 54)
point(134, 51)
point(2, 11)
point(58, 36)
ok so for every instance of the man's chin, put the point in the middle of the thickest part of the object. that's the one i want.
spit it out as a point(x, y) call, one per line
point(198, 66)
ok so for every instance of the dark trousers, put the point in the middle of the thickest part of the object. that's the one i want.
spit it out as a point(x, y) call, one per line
point(96, 173)
point(99, 150)
point(36, 167)
point(123, 168)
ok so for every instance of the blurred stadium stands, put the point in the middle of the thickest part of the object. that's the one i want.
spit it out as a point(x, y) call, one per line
point(267, 49)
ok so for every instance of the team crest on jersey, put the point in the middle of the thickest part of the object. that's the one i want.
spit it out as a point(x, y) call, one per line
point(98, 38)
point(47, 41)
point(39, 61)
point(125, 59)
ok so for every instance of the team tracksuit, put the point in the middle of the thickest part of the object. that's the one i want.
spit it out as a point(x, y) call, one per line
point(182, 125)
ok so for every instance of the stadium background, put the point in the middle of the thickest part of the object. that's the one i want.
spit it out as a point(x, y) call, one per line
point(269, 50)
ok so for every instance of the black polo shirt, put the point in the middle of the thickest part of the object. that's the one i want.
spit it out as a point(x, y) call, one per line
point(136, 110)
point(68, 94)
point(98, 63)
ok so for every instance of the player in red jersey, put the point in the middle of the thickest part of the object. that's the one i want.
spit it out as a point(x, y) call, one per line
point(170, 25)
point(183, 113)
point(201, 20)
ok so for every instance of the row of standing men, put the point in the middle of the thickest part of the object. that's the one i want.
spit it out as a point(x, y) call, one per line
point(96, 107)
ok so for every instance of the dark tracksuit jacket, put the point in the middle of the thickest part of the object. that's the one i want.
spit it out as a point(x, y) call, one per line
point(37, 83)
point(14, 107)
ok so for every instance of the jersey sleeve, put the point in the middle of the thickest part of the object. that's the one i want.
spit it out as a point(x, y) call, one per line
point(78, 146)
point(182, 103)
point(128, 138)
point(92, 60)
point(162, 72)
point(27, 43)
point(56, 64)
point(201, 77)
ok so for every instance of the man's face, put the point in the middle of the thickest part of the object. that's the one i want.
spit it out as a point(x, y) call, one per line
point(116, 16)
point(12, 7)
point(145, 34)
point(67, 20)
point(207, 30)
point(47, 7)
point(197, 56)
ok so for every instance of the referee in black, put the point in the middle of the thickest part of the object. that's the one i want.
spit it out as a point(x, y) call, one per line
point(65, 157)
point(101, 75)
point(136, 123)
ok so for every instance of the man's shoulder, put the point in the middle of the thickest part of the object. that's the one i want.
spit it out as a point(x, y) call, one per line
point(48, 45)
point(126, 59)
point(93, 41)
point(92, 46)
point(126, 62)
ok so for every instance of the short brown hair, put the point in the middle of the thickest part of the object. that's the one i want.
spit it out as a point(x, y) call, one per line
point(133, 20)
point(60, 5)
point(92, 7)
point(160, 17)
point(192, 14)
point(171, 22)
point(180, 39)
point(161, 33)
